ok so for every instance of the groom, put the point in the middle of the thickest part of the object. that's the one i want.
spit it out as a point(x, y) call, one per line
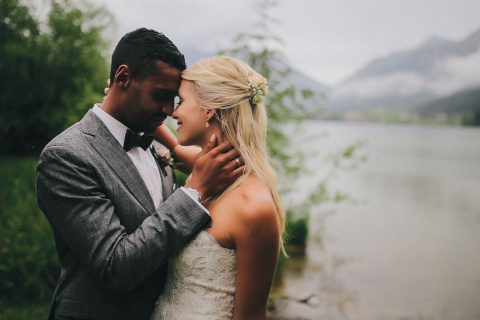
point(115, 217)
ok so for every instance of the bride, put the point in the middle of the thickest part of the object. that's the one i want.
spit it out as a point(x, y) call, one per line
point(226, 271)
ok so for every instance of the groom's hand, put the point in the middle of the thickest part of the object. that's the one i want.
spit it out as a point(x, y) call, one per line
point(215, 169)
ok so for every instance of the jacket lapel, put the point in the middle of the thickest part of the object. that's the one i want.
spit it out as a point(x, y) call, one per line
point(112, 152)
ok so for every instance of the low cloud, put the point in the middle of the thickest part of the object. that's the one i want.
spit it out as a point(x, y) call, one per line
point(449, 76)
point(457, 73)
point(401, 83)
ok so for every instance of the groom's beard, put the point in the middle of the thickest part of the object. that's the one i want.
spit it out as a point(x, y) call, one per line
point(161, 118)
point(149, 124)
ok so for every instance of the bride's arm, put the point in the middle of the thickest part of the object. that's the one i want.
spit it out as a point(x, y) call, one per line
point(184, 154)
point(256, 239)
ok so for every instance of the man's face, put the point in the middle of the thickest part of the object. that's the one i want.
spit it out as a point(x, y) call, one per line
point(151, 100)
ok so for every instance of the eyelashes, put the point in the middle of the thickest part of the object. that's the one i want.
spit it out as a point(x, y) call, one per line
point(177, 102)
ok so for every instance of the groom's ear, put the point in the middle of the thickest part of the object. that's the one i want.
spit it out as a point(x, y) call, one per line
point(122, 76)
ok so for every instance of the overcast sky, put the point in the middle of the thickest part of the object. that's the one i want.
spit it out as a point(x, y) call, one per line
point(327, 40)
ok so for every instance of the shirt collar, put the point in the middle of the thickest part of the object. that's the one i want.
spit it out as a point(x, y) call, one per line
point(116, 128)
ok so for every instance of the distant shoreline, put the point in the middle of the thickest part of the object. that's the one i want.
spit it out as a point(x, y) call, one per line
point(404, 117)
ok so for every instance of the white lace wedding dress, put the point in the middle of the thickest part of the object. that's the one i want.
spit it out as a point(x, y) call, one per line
point(200, 282)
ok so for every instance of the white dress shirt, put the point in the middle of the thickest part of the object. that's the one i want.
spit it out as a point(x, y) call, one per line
point(142, 159)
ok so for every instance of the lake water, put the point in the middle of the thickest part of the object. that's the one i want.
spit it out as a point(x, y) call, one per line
point(407, 246)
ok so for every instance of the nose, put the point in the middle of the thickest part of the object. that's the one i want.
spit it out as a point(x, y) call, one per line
point(174, 114)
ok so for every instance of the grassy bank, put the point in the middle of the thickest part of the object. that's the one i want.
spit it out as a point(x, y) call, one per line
point(24, 311)
point(28, 262)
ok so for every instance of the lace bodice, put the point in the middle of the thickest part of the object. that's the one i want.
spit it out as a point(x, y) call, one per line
point(200, 282)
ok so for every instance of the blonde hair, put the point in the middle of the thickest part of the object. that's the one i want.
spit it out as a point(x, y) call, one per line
point(224, 84)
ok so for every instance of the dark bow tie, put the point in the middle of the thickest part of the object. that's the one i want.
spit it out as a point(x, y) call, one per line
point(133, 139)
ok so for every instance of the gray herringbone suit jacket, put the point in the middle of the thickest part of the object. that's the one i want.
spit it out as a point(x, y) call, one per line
point(112, 244)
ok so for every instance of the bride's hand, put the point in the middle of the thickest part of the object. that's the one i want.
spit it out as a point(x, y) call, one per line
point(105, 91)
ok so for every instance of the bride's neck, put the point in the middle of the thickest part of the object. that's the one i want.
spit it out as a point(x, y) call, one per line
point(217, 131)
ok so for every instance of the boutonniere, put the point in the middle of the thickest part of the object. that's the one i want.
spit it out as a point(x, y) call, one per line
point(163, 157)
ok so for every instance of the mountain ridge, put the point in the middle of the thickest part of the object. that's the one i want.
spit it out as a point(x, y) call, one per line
point(411, 77)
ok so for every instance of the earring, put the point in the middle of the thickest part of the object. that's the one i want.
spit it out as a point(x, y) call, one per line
point(207, 124)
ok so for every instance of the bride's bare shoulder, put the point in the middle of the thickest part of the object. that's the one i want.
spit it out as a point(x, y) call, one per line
point(247, 212)
point(254, 204)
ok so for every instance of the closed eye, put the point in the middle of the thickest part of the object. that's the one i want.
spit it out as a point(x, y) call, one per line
point(164, 95)
point(160, 96)
point(177, 101)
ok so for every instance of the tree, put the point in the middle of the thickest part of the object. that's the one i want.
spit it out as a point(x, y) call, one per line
point(284, 104)
point(261, 49)
point(52, 73)
point(286, 108)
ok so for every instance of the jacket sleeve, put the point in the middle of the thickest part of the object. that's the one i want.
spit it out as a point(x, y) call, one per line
point(82, 214)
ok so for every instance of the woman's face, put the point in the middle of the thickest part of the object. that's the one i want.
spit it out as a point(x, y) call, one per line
point(190, 116)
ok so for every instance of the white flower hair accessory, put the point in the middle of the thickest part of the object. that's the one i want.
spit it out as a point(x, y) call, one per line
point(257, 91)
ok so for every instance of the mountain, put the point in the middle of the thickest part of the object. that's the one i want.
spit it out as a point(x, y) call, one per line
point(463, 105)
point(436, 68)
